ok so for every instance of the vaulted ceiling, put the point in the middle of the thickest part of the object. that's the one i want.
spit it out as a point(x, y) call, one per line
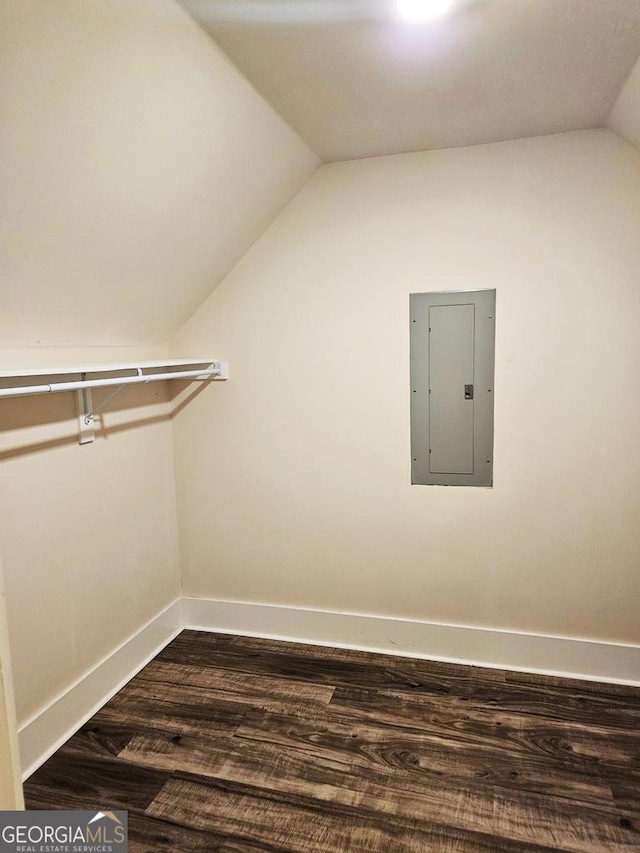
point(138, 165)
point(356, 81)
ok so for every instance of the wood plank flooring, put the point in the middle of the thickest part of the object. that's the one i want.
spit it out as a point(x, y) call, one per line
point(238, 745)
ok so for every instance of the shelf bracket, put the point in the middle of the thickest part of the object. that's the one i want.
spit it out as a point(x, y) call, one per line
point(220, 368)
point(86, 424)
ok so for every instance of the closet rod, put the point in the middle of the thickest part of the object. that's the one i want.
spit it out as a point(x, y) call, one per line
point(23, 390)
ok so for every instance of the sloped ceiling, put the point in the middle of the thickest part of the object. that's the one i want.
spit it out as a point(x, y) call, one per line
point(355, 81)
point(137, 166)
point(625, 116)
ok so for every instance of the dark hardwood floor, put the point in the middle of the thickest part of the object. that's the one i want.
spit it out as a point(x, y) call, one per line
point(234, 745)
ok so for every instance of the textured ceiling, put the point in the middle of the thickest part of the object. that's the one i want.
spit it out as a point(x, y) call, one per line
point(355, 81)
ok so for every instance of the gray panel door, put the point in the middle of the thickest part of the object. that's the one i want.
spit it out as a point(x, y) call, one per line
point(452, 362)
point(451, 337)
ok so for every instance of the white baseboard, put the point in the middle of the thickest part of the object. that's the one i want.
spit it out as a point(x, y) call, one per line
point(45, 732)
point(563, 656)
point(40, 736)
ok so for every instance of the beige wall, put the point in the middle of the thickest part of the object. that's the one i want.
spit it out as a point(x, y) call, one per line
point(136, 164)
point(10, 787)
point(625, 115)
point(88, 533)
point(293, 478)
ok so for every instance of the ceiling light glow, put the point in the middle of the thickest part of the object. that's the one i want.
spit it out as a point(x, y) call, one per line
point(423, 10)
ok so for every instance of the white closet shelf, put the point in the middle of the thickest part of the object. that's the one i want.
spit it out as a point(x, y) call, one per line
point(104, 368)
point(82, 379)
point(94, 376)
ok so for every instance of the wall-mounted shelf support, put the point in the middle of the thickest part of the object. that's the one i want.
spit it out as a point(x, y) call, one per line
point(86, 426)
